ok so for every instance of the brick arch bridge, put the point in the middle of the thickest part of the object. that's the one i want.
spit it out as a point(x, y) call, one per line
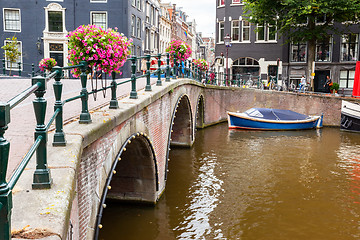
point(123, 153)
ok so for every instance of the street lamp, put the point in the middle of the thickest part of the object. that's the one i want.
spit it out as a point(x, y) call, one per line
point(227, 40)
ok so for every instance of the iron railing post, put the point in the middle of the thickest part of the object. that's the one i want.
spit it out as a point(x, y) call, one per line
point(19, 65)
point(192, 70)
point(133, 93)
point(32, 70)
point(206, 76)
point(114, 104)
point(42, 178)
point(85, 115)
point(158, 82)
point(3, 66)
point(175, 68)
point(148, 82)
point(167, 67)
point(5, 192)
point(59, 136)
point(180, 69)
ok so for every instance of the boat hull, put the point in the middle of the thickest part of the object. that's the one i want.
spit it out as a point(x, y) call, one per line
point(240, 121)
point(350, 116)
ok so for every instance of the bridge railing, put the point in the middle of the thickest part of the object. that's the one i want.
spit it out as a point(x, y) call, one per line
point(19, 69)
point(42, 177)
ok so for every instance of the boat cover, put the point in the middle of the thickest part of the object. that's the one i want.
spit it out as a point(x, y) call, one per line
point(275, 114)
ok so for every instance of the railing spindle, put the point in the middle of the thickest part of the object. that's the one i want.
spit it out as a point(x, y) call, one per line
point(158, 82)
point(114, 104)
point(167, 67)
point(59, 136)
point(85, 115)
point(148, 73)
point(133, 93)
point(42, 178)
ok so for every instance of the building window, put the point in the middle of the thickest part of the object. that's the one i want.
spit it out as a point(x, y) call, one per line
point(133, 3)
point(272, 35)
point(245, 31)
point(133, 22)
point(99, 19)
point(347, 79)
point(221, 31)
point(235, 30)
point(148, 8)
point(138, 4)
point(221, 3)
point(236, 1)
point(55, 19)
point(323, 50)
point(349, 47)
point(12, 20)
point(138, 28)
point(298, 52)
point(13, 65)
point(260, 33)
point(98, 1)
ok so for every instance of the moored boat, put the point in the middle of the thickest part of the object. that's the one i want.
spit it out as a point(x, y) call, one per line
point(273, 119)
point(350, 116)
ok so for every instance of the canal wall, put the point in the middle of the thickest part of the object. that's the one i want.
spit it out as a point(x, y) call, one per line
point(219, 101)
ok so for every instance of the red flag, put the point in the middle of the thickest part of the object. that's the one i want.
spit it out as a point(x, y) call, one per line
point(356, 88)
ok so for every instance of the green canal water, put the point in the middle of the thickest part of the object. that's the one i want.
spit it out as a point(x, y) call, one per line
point(252, 185)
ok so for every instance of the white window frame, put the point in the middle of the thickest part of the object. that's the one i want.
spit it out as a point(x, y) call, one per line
point(243, 27)
point(331, 42)
point(291, 53)
point(54, 7)
point(349, 79)
point(237, 3)
point(347, 43)
point(4, 25)
point(21, 58)
point(99, 12)
point(219, 3)
point(133, 25)
point(268, 33)
point(98, 1)
point(219, 33)
point(232, 30)
point(138, 28)
point(257, 33)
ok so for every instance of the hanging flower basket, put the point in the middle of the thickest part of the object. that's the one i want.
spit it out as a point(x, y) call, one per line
point(47, 64)
point(103, 50)
point(202, 64)
point(181, 50)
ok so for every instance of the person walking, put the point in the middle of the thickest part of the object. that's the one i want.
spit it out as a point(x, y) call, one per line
point(302, 83)
point(328, 84)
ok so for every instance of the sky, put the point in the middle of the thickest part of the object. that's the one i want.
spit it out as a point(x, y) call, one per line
point(203, 11)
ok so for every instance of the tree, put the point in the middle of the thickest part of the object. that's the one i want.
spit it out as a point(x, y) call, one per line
point(296, 20)
point(11, 50)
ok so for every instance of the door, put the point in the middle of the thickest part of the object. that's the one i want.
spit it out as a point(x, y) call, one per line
point(59, 58)
point(320, 80)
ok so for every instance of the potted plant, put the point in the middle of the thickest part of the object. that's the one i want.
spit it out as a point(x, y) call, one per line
point(47, 64)
point(334, 88)
point(103, 50)
point(181, 50)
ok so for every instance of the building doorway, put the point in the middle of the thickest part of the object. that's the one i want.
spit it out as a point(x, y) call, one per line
point(57, 52)
point(320, 80)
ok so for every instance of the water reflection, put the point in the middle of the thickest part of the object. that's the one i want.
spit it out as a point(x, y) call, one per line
point(254, 185)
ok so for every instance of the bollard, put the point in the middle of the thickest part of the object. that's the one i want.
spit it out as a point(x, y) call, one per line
point(167, 67)
point(59, 136)
point(133, 93)
point(85, 115)
point(148, 72)
point(114, 104)
point(158, 82)
point(5, 192)
point(41, 178)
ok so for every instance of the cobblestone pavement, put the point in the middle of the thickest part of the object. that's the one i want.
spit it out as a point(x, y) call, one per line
point(22, 124)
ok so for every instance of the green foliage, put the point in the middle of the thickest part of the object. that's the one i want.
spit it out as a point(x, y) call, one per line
point(297, 18)
point(335, 86)
point(11, 49)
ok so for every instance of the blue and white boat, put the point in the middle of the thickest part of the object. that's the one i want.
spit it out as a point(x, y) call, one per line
point(273, 119)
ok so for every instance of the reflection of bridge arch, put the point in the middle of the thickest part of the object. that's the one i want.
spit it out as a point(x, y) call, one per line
point(133, 176)
point(246, 65)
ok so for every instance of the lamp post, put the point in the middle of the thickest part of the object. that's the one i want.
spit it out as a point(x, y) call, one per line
point(227, 40)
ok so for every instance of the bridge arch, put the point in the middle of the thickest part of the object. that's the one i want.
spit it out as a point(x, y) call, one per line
point(134, 175)
point(181, 132)
point(200, 112)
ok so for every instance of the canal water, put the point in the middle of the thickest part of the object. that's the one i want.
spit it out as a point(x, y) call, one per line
point(252, 185)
